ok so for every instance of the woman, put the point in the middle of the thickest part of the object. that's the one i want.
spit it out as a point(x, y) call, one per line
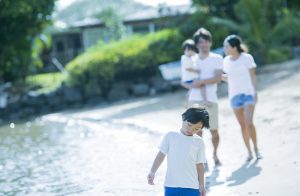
point(239, 68)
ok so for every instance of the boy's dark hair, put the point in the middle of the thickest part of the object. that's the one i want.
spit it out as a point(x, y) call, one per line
point(202, 33)
point(195, 115)
point(189, 44)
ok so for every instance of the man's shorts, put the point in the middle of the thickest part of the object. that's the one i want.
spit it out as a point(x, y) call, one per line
point(170, 191)
point(213, 111)
point(241, 100)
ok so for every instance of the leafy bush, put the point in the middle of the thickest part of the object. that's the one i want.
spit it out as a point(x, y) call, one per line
point(132, 59)
point(47, 81)
point(276, 55)
point(264, 25)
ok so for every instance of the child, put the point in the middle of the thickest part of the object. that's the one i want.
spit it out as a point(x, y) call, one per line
point(186, 157)
point(189, 70)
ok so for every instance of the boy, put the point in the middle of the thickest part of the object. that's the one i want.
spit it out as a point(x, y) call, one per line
point(186, 157)
point(189, 69)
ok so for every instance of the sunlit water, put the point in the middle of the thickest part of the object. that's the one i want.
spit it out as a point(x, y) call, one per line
point(56, 155)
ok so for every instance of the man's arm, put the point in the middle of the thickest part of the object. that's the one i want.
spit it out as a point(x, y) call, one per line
point(216, 79)
point(200, 171)
point(157, 162)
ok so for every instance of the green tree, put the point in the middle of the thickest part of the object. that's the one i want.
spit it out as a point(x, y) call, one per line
point(21, 21)
point(269, 27)
point(265, 26)
point(220, 8)
point(113, 23)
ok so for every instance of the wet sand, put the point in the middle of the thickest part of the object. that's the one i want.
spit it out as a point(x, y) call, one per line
point(278, 128)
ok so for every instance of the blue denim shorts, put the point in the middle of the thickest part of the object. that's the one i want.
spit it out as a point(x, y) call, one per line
point(241, 100)
point(171, 191)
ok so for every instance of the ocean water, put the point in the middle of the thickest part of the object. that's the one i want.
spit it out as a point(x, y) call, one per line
point(59, 155)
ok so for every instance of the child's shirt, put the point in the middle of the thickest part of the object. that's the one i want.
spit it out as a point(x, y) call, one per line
point(183, 153)
point(188, 62)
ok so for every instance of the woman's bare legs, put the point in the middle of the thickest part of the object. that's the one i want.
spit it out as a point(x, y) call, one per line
point(249, 111)
point(241, 117)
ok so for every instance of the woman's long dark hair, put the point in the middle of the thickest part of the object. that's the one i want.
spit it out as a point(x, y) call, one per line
point(236, 41)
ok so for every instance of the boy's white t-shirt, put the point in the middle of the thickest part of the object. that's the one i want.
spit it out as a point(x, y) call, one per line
point(239, 78)
point(188, 62)
point(183, 153)
point(207, 67)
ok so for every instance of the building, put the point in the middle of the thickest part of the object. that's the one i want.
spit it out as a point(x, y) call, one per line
point(80, 35)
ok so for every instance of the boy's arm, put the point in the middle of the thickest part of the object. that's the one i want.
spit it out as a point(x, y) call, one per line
point(157, 162)
point(200, 171)
point(190, 69)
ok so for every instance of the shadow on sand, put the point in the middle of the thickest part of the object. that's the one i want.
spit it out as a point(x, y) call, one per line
point(244, 173)
point(211, 180)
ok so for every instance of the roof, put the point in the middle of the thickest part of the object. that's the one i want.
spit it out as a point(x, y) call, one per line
point(153, 13)
point(87, 22)
point(142, 15)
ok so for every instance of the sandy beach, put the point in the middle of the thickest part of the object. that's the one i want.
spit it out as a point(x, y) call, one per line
point(278, 128)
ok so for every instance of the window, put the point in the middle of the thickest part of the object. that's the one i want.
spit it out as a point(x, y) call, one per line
point(60, 46)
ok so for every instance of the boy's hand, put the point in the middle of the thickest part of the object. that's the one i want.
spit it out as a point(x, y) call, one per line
point(150, 178)
point(192, 70)
point(203, 192)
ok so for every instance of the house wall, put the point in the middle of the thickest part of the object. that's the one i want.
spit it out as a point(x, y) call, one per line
point(65, 47)
point(90, 36)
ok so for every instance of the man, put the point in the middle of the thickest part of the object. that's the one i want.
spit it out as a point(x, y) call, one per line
point(210, 66)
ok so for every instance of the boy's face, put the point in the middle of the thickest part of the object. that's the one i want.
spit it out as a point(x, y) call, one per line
point(188, 52)
point(191, 129)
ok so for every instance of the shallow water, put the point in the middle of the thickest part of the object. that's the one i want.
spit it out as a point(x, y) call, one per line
point(57, 155)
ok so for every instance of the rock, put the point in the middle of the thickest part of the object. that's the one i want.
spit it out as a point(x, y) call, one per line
point(28, 111)
point(119, 91)
point(140, 89)
point(158, 84)
point(13, 107)
point(3, 99)
point(5, 86)
point(45, 110)
point(296, 51)
point(34, 99)
point(53, 99)
point(71, 95)
point(94, 101)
